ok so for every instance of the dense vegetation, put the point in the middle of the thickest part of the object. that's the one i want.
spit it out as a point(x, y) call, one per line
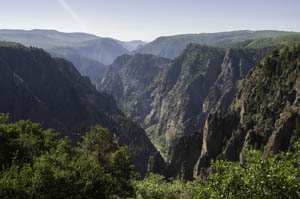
point(270, 177)
point(274, 176)
point(35, 164)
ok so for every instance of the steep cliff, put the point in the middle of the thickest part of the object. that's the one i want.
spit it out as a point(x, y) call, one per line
point(201, 79)
point(128, 77)
point(265, 113)
point(172, 99)
point(185, 156)
point(35, 86)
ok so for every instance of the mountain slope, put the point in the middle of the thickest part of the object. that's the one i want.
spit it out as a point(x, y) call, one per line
point(104, 50)
point(132, 45)
point(171, 46)
point(198, 81)
point(92, 52)
point(44, 89)
point(172, 99)
point(45, 38)
point(264, 115)
point(86, 66)
point(129, 76)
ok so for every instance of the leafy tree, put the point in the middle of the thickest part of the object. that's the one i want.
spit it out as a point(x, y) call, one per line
point(34, 163)
point(156, 187)
point(103, 149)
point(274, 176)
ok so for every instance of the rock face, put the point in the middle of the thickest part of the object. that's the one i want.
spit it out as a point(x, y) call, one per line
point(265, 113)
point(35, 86)
point(128, 77)
point(200, 80)
point(185, 156)
point(173, 100)
point(156, 164)
point(181, 166)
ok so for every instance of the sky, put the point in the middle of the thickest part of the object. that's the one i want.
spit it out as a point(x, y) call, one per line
point(148, 19)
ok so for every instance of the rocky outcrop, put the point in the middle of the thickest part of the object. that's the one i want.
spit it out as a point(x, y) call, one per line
point(128, 77)
point(264, 115)
point(156, 164)
point(173, 100)
point(185, 156)
point(181, 166)
point(202, 79)
point(51, 91)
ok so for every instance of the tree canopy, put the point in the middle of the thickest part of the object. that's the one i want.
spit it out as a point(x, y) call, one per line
point(34, 163)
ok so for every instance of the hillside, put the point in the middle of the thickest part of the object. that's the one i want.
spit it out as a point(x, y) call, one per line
point(171, 46)
point(200, 80)
point(51, 91)
point(128, 77)
point(132, 45)
point(89, 53)
point(264, 115)
point(86, 66)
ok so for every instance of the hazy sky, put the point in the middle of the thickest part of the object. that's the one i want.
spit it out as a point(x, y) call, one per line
point(148, 19)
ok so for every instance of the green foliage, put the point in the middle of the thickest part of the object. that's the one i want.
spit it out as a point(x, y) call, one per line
point(268, 42)
point(104, 150)
point(155, 187)
point(274, 176)
point(35, 164)
point(3, 118)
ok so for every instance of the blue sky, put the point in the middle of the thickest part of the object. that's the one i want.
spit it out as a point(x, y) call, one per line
point(148, 19)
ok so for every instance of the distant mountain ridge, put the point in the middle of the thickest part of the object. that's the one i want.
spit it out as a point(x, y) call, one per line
point(171, 46)
point(48, 39)
point(89, 53)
